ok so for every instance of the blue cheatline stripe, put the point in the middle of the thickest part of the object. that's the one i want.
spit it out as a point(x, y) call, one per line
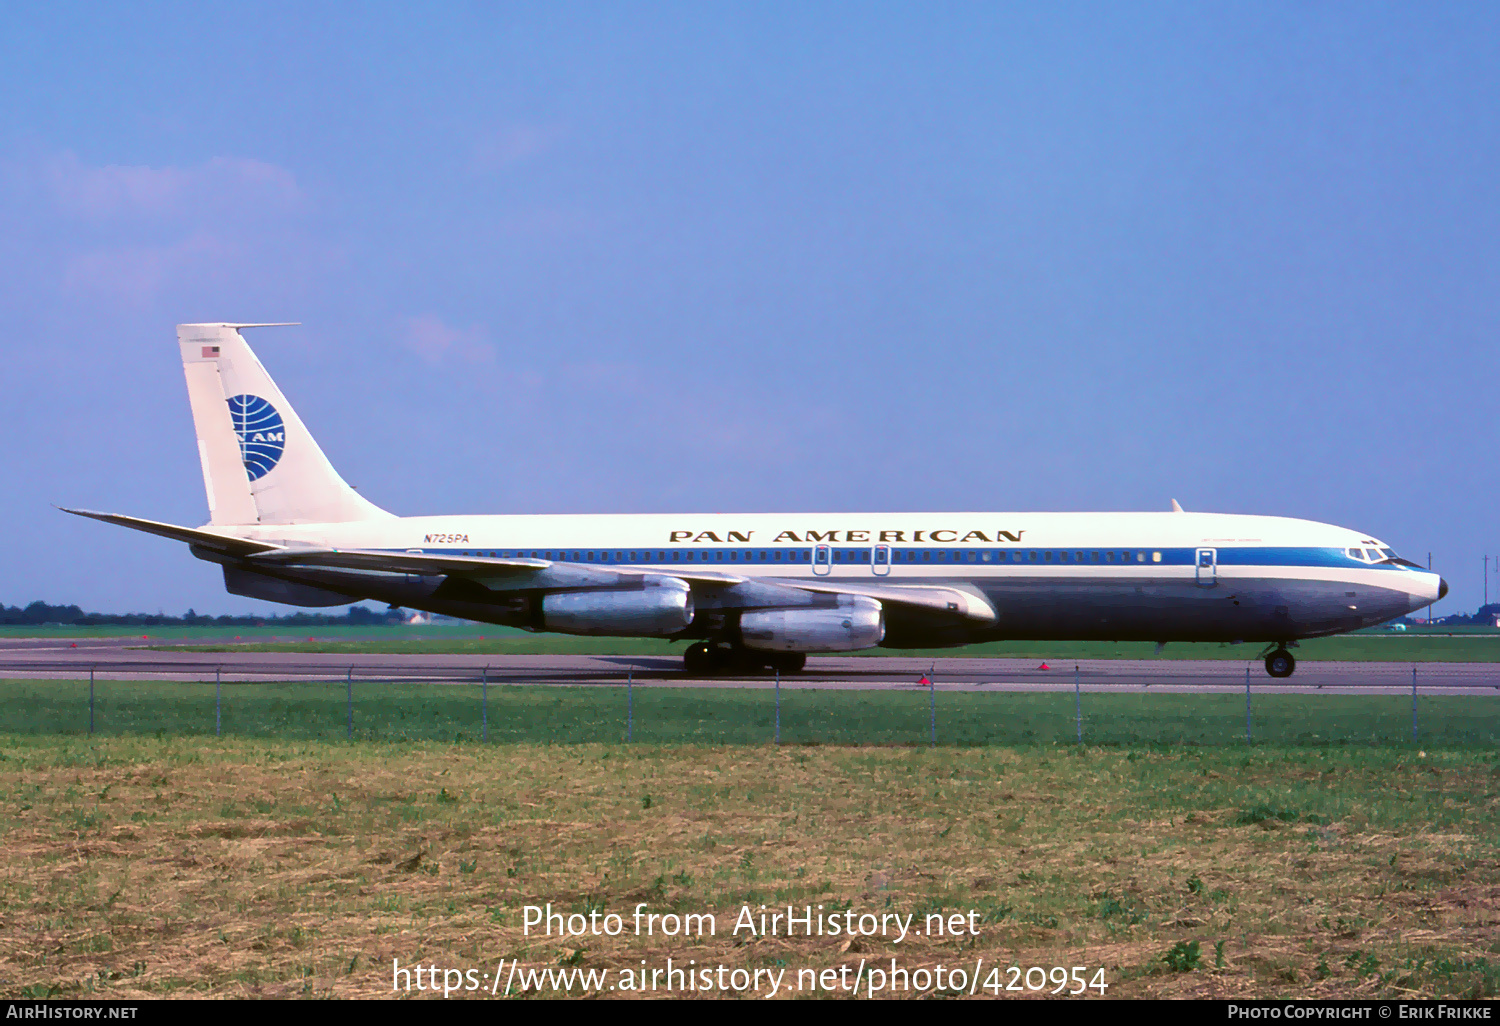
point(906, 555)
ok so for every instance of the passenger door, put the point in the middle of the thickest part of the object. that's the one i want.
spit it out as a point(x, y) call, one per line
point(880, 560)
point(1207, 567)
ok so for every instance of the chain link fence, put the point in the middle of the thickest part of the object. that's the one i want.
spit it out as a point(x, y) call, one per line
point(459, 705)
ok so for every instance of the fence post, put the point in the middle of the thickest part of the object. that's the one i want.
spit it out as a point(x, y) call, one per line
point(349, 702)
point(1413, 703)
point(484, 705)
point(1077, 705)
point(91, 699)
point(630, 705)
point(778, 706)
point(218, 713)
point(932, 711)
point(1247, 707)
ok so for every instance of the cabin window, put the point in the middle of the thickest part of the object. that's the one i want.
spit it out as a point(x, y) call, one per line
point(1156, 557)
point(926, 555)
point(988, 556)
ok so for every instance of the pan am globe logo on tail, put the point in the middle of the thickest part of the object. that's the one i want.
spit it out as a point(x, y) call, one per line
point(261, 433)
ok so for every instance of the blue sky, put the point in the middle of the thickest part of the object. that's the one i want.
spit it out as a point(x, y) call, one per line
point(714, 257)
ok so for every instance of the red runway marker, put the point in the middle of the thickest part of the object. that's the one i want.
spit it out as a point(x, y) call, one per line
point(1044, 666)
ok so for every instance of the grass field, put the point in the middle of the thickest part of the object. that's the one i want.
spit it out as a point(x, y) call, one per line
point(715, 716)
point(139, 866)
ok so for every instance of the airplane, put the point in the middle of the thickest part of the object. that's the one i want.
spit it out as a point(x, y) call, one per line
point(762, 590)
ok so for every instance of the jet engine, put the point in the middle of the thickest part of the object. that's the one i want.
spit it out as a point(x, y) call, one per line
point(663, 606)
point(857, 622)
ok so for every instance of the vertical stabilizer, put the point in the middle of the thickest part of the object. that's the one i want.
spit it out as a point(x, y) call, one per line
point(260, 464)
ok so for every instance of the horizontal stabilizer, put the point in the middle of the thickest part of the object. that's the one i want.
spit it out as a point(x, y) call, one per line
point(206, 539)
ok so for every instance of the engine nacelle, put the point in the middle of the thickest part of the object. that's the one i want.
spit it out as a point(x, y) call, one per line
point(857, 622)
point(664, 606)
point(272, 589)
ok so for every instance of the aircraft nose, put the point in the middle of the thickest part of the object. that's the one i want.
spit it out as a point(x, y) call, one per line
point(1442, 587)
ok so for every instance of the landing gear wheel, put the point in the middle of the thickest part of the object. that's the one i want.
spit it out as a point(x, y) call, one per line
point(788, 662)
point(698, 659)
point(1280, 663)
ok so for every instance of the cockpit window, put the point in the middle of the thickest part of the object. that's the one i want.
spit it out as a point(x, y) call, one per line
point(1388, 553)
point(1356, 554)
point(1374, 555)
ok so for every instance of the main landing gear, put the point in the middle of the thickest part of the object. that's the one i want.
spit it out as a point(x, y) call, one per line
point(1280, 662)
point(707, 660)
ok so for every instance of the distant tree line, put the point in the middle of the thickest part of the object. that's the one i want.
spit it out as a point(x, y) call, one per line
point(1485, 616)
point(41, 613)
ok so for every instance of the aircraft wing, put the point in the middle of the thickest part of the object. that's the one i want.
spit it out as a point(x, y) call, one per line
point(401, 562)
point(505, 573)
point(519, 573)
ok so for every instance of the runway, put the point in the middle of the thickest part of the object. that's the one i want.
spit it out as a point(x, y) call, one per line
point(115, 659)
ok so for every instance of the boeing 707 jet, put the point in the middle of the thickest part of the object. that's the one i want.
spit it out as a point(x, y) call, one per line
point(760, 589)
